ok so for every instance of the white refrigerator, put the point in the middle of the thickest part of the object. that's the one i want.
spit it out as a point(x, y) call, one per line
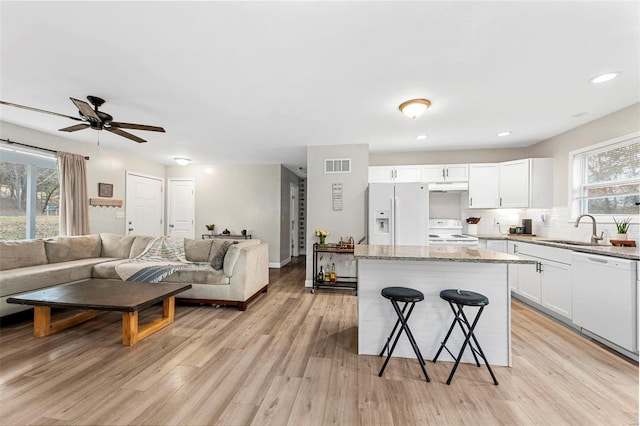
point(398, 214)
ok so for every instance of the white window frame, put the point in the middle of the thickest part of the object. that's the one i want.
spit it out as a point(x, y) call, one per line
point(577, 176)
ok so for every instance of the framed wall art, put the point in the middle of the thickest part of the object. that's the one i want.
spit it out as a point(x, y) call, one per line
point(105, 190)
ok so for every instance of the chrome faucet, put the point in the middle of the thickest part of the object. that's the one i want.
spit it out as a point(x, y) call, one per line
point(594, 236)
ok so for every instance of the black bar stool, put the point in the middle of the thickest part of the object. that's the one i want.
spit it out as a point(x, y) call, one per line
point(463, 298)
point(409, 297)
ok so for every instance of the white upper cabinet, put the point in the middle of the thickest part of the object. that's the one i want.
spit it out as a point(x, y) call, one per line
point(514, 184)
point(407, 174)
point(445, 173)
point(390, 174)
point(484, 185)
point(380, 174)
point(526, 183)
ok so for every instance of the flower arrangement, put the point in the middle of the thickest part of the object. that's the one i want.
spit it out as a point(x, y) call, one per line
point(210, 227)
point(623, 225)
point(322, 234)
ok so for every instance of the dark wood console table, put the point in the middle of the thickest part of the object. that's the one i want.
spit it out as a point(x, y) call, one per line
point(226, 236)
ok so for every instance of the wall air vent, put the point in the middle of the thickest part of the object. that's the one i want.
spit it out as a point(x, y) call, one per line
point(337, 165)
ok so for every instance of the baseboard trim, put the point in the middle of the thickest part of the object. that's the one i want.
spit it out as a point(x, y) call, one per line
point(308, 283)
point(276, 265)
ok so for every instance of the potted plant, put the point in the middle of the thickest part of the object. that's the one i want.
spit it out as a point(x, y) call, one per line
point(622, 227)
point(210, 228)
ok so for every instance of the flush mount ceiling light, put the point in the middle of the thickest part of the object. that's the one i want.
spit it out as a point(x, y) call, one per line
point(507, 133)
point(604, 77)
point(182, 161)
point(414, 107)
point(421, 137)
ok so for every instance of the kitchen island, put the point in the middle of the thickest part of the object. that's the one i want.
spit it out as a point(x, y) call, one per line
point(431, 269)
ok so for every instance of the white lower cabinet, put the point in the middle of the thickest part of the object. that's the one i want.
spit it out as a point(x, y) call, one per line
point(504, 246)
point(597, 294)
point(548, 282)
point(529, 278)
point(497, 245)
point(555, 288)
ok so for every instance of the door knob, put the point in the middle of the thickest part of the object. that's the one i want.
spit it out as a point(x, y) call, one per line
point(130, 229)
point(170, 226)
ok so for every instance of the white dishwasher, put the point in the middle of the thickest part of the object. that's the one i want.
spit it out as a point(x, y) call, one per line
point(605, 298)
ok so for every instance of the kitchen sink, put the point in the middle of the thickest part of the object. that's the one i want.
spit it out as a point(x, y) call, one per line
point(572, 243)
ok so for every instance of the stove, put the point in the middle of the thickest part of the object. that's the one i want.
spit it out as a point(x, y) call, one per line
point(448, 232)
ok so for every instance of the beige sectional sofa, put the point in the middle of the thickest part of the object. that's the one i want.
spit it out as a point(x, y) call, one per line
point(29, 265)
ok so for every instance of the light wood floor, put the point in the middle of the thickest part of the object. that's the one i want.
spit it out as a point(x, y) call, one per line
point(291, 359)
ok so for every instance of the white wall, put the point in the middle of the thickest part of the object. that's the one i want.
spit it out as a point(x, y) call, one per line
point(237, 198)
point(619, 123)
point(104, 166)
point(351, 220)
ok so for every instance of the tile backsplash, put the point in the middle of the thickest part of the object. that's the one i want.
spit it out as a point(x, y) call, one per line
point(551, 223)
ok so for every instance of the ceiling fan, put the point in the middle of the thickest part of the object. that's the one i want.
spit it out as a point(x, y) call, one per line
point(95, 119)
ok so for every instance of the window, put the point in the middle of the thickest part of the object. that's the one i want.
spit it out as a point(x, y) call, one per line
point(606, 179)
point(29, 195)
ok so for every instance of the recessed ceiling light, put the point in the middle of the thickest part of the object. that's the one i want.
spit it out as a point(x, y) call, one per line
point(421, 137)
point(503, 134)
point(604, 77)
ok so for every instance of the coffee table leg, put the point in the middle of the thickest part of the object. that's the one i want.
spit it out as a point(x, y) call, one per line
point(129, 328)
point(132, 333)
point(169, 308)
point(41, 321)
point(42, 325)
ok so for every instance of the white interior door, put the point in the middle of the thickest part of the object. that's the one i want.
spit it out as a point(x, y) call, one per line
point(144, 205)
point(293, 215)
point(181, 208)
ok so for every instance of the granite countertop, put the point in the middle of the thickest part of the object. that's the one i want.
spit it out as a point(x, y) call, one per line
point(632, 253)
point(435, 254)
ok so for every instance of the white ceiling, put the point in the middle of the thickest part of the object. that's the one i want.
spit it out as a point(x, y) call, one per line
point(247, 82)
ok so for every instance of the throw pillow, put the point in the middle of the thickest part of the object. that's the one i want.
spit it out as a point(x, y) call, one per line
point(218, 259)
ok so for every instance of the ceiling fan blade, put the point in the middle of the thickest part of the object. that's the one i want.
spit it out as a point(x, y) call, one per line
point(124, 134)
point(136, 126)
point(75, 128)
point(86, 110)
point(39, 110)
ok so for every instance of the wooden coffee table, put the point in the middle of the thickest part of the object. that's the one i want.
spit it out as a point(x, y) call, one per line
point(102, 295)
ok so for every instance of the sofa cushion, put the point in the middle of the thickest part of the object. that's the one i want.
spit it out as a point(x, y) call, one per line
point(200, 275)
point(139, 244)
point(17, 254)
point(107, 270)
point(218, 259)
point(63, 249)
point(35, 277)
point(115, 245)
point(230, 259)
point(197, 250)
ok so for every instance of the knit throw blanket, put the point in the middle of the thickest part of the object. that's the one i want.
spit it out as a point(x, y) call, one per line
point(159, 259)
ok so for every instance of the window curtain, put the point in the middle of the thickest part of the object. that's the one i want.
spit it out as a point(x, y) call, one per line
point(74, 201)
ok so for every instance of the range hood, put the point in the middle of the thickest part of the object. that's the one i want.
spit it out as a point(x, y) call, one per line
point(448, 186)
